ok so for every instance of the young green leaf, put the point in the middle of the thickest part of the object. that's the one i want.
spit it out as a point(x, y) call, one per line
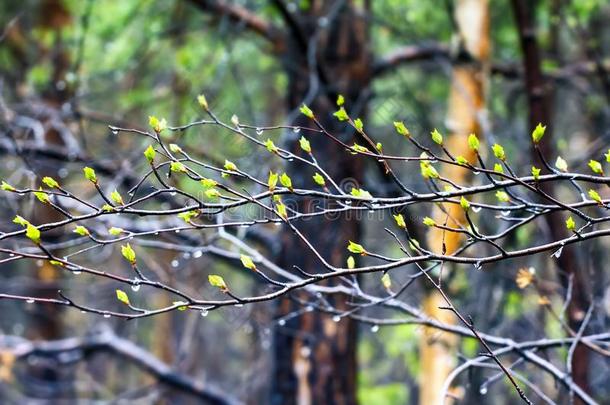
point(341, 114)
point(272, 181)
point(400, 221)
point(561, 164)
point(7, 187)
point(358, 125)
point(116, 197)
point(218, 282)
point(498, 168)
point(107, 208)
point(212, 193)
point(158, 125)
point(50, 182)
point(182, 306)
point(536, 173)
point(340, 100)
point(90, 174)
point(19, 220)
point(538, 133)
point(499, 152)
point(128, 253)
point(230, 166)
point(429, 221)
point(502, 196)
point(188, 215)
point(247, 262)
point(386, 281)
point(319, 179)
point(356, 248)
point(570, 224)
point(150, 153)
point(305, 145)
point(473, 142)
point(464, 203)
point(607, 155)
point(81, 230)
point(360, 193)
point(359, 148)
point(461, 160)
point(122, 296)
point(595, 196)
point(114, 231)
point(235, 120)
point(306, 111)
point(42, 196)
point(32, 233)
point(401, 129)
point(596, 167)
point(175, 148)
point(351, 262)
point(203, 102)
point(436, 137)
point(286, 181)
point(208, 183)
point(281, 210)
point(271, 146)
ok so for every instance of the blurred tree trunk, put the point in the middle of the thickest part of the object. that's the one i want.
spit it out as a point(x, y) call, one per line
point(315, 357)
point(466, 104)
point(539, 98)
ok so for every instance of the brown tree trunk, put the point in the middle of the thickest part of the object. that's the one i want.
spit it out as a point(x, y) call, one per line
point(538, 94)
point(466, 102)
point(315, 357)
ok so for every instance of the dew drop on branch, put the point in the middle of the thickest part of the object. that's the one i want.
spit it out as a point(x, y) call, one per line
point(30, 301)
point(204, 312)
point(259, 131)
point(336, 318)
point(476, 209)
point(375, 328)
point(296, 130)
point(106, 315)
point(558, 252)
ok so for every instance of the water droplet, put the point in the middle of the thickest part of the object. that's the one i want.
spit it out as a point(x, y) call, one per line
point(244, 226)
point(309, 308)
point(375, 328)
point(278, 223)
point(348, 202)
point(12, 255)
point(135, 286)
point(114, 131)
point(290, 159)
point(175, 263)
point(239, 305)
point(82, 311)
point(336, 318)
point(281, 322)
point(505, 213)
point(106, 315)
point(173, 193)
point(259, 131)
point(30, 301)
point(305, 351)
point(204, 312)
point(76, 272)
point(296, 130)
point(477, 266)
point(186, 255)
point(156, 233)
point(483, 390)
point(558, 252)
point(476, 209)
point(197, 254)
point(177, 231)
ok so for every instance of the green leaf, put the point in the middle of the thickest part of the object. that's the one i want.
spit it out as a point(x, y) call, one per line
point(502, 196)
point(570, 224)
point(607, 155)
point(351, 262)
point(116, 197)
point(429, 221)
point(356, 248)
point(561, 164)
point(182, 306)
point(217, 281)
point(538, 133)
point(400, 221)
point(306, 111)
point(247, 262)
point(42, 196)
point(379, 147)
point(498, 168)
point(360, 193)
point(401, 128)
point(230, 166)
point(436, 137)
point(464, 203)
point(208, 183)
point(473, 142)
point(319, 179)
point(270, 146)
point(212, 193)
point(341, 114)
point(340, 100)
point(386, 281)
point(203, 102)
point(158, 125)
point(499, 152)
point(359, 148)
point(595, 196)
point(188, 215)
point(81, 230)
point(115, 231)
point(427, 170)
point(281, 210)
point(536, 173)
point(122, 296)
point(461, 160)
point(128, 253)
point(7, 187)
point(175, 148)
point(150, 153)
point(107, 208)
point(90, 174)
point(19, 220)
point(177, 167)
point(596, 167)
point(33, 233)
point(272, 181)
point(359, 125)
point(286, 181)
point(305, 145)
point(50, 182)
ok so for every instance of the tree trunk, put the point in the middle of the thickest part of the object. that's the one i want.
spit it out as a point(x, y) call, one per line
point(315, 357)
point(466, 102)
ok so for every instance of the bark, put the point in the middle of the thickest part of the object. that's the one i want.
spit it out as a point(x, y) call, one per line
point(466, 102)
point(538, 94)
point(315, 357)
